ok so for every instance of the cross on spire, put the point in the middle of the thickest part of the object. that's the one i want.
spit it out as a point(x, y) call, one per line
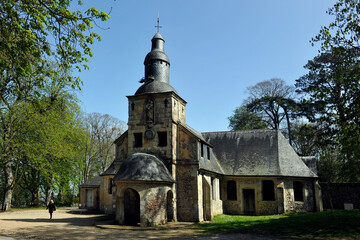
point(158, 24)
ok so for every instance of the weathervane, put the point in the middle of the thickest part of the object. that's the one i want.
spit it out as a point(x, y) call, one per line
point(158, 24)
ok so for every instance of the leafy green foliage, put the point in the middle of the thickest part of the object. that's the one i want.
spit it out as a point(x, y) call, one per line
point(40, 43)
point(242, 119)
point(32, 30)
point(273, 101)
point(332, 87)
point(344, 30)
point(305, 139)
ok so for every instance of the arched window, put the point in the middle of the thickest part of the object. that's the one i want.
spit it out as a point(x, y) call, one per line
point(231, 190)
point(268, 190)
point(298, 191)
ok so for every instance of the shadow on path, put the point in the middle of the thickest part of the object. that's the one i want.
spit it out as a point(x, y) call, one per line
point(71, 221)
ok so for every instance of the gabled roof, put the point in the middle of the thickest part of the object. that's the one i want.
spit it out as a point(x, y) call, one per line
point(111, 170)
point(311, 162)
point(212, 166)
point(122, 136)
point(94, 182)
point(193, 132)
point(256, 153)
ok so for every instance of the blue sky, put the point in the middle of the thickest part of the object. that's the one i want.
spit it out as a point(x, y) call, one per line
point(216, 48)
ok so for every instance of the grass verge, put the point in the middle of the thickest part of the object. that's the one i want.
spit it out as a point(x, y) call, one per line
point(318, 225)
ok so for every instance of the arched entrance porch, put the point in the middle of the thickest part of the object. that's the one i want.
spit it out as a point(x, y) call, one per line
point(131, 207)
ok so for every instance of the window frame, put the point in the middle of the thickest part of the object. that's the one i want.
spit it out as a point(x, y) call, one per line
point(298, 188)
point(202, 149)
point(231, 191)
point(162, 139)
point(268, 190)
point(138, 140)
point(110, 185)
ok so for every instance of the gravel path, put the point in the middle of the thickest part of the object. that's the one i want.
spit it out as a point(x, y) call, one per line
point(35, 224)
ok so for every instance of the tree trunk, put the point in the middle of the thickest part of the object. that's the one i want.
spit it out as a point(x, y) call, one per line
point(37, 198)
point(9, 186)
point(288, 125)
point(330, 199)
point(48, 195)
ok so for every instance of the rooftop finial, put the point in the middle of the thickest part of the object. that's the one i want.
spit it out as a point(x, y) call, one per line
point(158, 24)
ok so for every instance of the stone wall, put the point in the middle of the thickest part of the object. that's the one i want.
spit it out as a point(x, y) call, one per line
point(153, 202)
point(188, 182)
point(308, 203)
point(187, 145)
point(121, 147)
point(262, 207)
point(341, 193)
point(166, 109)
point(106, 199)
point(84, 198)
point(187, 191)
point(216, 202)
point(209, 203)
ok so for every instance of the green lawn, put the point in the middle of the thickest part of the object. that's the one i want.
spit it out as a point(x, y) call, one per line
point(319, 225)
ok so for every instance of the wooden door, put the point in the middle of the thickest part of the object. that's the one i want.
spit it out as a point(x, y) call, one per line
point(249, 201)
point(89, 198)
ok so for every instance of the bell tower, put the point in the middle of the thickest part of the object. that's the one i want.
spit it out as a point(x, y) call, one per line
point(157, 64)
point(155, 109)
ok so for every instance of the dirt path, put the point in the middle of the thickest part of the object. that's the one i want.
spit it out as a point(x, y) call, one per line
point(35, 224)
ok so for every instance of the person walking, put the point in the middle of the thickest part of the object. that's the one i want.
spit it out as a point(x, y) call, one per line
point(51, 208)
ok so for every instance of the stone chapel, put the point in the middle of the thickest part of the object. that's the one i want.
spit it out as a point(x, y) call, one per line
point(166, 171)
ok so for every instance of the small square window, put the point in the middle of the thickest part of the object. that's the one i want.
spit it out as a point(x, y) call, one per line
point(268, 190)
point(298, 191)
point(231, 190)
point(202, 149)
point(162, 139)
point(110, 186)
point(137, 139)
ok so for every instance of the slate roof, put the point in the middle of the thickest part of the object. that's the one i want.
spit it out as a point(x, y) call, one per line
point(111, 170)
point(211, 166)
point(311, 162)
point(156, 53)
point(256, 153)
point(143, 167)
point(193, 131)
point(155, 87)
point(94, 182)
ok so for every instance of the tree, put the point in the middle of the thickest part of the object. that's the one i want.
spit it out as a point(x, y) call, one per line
point(99, 150)
point(332, 85)
point(305, 139)
point(42, 143)
point(242, 119)
point(31, 30)
point(32, 35)
point(273, 101)
point(344, 30)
